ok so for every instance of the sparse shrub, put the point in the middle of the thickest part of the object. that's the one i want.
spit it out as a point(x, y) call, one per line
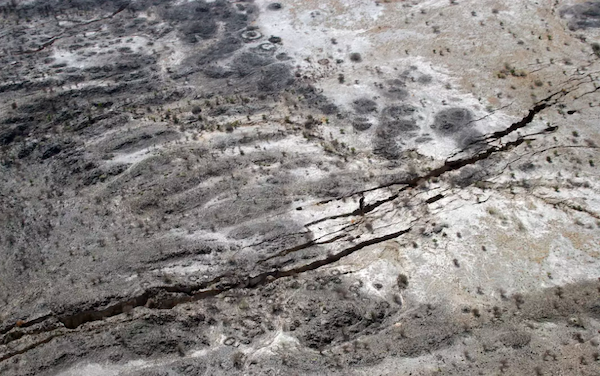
point(519, 300)
point(238, 360)
point(167, 278)
point(180, 350)
point(596, 49)
point(355, 57)
point(503, 365)
point(402, 281)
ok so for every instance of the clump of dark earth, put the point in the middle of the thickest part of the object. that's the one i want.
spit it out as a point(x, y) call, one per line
point(216, 71)
point(283, 56)
point(395, 90)
point(203, 29)
point(527, 166)
point(582, 16)
point(397, 93)
point(397, 112)
point(452, 121)
point(314, 99)
point(387, 148)
point(425, 79)
point(364, 106)
point(197, 20)
point(402, 281)
point(390, 132)
point(274, 6)
point(355, 57)
point(275, 77)
point(249, 62)
point(220, 49)
point(361, 124)
point(393, 128)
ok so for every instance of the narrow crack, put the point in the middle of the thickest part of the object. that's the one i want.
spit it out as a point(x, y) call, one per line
point(565, 203)
point(303, 246)
point(30, 347)
point(25, 324)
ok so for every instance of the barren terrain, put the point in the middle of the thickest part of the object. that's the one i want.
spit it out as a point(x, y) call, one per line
point(332, 187)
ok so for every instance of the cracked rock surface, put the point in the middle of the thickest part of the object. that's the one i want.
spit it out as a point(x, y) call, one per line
point(300, 187)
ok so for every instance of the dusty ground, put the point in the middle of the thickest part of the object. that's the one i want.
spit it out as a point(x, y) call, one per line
point(333, 187)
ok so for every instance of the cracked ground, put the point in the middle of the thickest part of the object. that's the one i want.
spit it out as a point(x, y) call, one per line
point(333, 187)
